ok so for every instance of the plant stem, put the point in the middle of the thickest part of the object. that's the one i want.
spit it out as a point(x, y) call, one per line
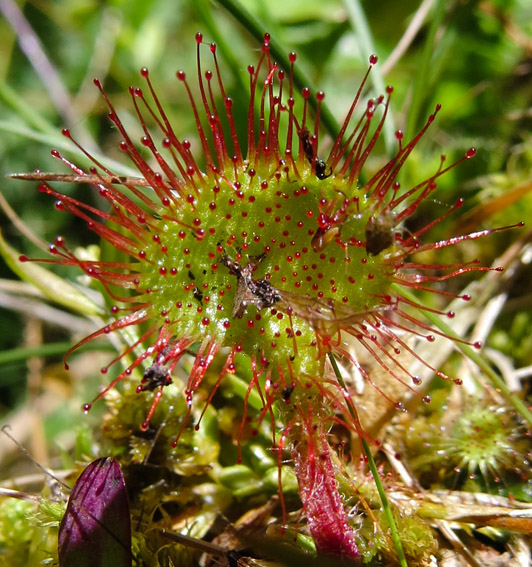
point(373, 468)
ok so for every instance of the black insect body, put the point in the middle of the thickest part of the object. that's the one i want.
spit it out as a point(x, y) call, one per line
point(157, 374)
point(321, 169)
point(198, 294)
point(287, 392)
point(319, 165)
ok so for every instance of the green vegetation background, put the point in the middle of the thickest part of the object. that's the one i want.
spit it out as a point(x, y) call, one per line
point(473, 57)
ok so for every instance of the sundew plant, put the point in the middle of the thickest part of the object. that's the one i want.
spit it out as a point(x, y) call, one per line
point(266, 275)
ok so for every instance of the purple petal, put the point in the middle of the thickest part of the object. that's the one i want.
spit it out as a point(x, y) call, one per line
point(96, 529)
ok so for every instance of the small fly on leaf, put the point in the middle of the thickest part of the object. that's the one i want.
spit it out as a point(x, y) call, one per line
point(319, 164)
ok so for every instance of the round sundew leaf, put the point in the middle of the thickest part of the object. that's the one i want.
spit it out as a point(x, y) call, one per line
point(96, 529)
point(52, 286)
point(276, 256)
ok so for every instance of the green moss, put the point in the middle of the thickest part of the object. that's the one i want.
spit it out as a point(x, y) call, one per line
point(28, 534)
point(416, 537)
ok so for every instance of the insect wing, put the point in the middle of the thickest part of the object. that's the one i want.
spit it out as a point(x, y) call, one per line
point(324, 316)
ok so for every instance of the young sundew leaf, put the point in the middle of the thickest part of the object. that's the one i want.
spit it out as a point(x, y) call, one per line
point(96, 529)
